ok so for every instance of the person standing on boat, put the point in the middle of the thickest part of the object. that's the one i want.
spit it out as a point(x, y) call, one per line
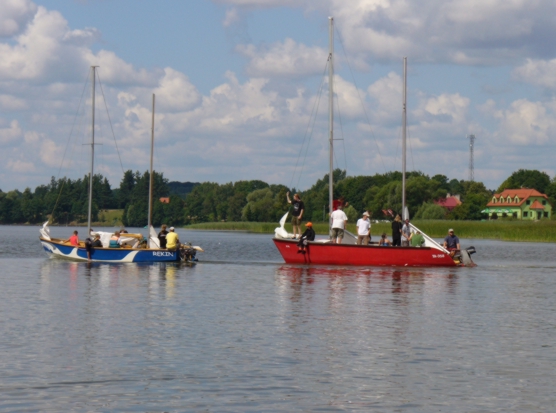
point(297, 213)
point(73, 240)
point(172, 240)
point(451, 242)
point(340, 201)
point(162, 236)
point(339, 222)
point(308, 235)
point(406, 233)
point(397, 231)
point(364, 229)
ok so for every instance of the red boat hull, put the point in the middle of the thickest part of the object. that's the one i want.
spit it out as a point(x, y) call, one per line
point(362, 255)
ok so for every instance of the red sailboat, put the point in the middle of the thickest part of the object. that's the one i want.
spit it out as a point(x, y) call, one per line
point(324, 252)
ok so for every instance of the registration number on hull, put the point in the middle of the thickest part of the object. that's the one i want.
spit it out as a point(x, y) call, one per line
point(162, 254)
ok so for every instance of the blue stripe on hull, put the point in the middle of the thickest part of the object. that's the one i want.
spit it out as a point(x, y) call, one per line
point(110, 255)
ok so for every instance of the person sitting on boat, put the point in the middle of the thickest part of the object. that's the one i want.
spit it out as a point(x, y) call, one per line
point(417, 239)
point(115, 241)
point(308, 235)
point(384, 241)
point(451, 242)
point(172, 240)
point(339, 202)
point(297, 213)
point(123, 231)
point(162, 236)
point(397, 231)
point(364, 229)
point(339, 222)
point(406, 233)
point(73, 240)
point(97, 243)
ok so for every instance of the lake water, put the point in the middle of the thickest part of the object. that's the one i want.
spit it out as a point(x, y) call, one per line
point(243, 332)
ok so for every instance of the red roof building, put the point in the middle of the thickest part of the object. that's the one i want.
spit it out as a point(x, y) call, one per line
point(165, 200)
point(450, 202)
point(519, 203)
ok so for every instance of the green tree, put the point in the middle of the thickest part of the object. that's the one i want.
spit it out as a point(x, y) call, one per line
point(526, 178)
point(429, 210)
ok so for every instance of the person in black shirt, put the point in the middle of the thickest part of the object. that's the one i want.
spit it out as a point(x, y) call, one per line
point(97, 242)
point(297, 213)
point(397, 231)
point(162, 236)
point(308, 235)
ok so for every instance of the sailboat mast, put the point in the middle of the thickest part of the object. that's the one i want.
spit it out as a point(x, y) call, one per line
point(149, 224)
point(404, 132)
point(331, 112)
point(89, 213)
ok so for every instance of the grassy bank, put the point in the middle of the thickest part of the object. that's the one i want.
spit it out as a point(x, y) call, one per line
point(541, 231)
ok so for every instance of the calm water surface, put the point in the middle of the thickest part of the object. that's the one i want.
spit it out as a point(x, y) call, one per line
point(241, 331)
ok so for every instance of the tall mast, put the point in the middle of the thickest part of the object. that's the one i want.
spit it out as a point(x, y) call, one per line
point(404, 132)
point(331, 111)
point(149, 224)
point(89, 213)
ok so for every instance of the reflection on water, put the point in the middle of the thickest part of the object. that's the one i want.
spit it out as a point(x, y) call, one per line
point(245, 332)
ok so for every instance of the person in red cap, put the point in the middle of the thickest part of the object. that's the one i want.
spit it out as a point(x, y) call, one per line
point(308, 235)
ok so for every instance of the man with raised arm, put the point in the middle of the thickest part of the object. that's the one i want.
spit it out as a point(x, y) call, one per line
point(297, 213)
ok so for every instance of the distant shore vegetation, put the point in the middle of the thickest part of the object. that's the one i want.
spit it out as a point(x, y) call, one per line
point(252, 205)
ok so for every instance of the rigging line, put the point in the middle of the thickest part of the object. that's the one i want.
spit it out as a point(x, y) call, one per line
point(67, 144)
point(110, 121)
point(73, 125)
point(361, 99)
point(314, 118)
point(410, 148)
point(313, 112)
point(341, 131)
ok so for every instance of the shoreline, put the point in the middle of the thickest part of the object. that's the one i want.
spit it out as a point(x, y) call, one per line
point(517, 231)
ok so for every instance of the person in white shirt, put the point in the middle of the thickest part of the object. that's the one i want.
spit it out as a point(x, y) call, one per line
point(364, 229)
point(339, 222)
point(406, 233)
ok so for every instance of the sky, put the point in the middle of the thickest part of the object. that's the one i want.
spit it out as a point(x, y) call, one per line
point(241, 90)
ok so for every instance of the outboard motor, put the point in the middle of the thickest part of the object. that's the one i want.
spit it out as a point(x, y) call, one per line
point(188, 253)
point(466, 256)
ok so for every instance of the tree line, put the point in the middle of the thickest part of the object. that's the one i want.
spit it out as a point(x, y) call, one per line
point(65, 201)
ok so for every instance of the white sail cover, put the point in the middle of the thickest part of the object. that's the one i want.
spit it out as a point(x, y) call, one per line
point(154, 241)
point(281, 232)
point(45, 231)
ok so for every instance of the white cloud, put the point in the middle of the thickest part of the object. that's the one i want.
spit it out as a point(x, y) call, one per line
point(231, 18)
point(11, 133)
point(261, 3)
point(14, 14)
point(21, 167)
point(175, 92)
point(50, 153)
point(284, 59)
point(527, 123)
point(48, 49)
point(537, 72)
point(10, 102)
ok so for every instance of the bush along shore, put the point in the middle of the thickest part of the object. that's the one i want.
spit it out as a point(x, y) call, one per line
point(530, 231)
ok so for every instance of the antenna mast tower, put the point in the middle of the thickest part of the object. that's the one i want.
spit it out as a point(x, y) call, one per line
point(471, 164)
